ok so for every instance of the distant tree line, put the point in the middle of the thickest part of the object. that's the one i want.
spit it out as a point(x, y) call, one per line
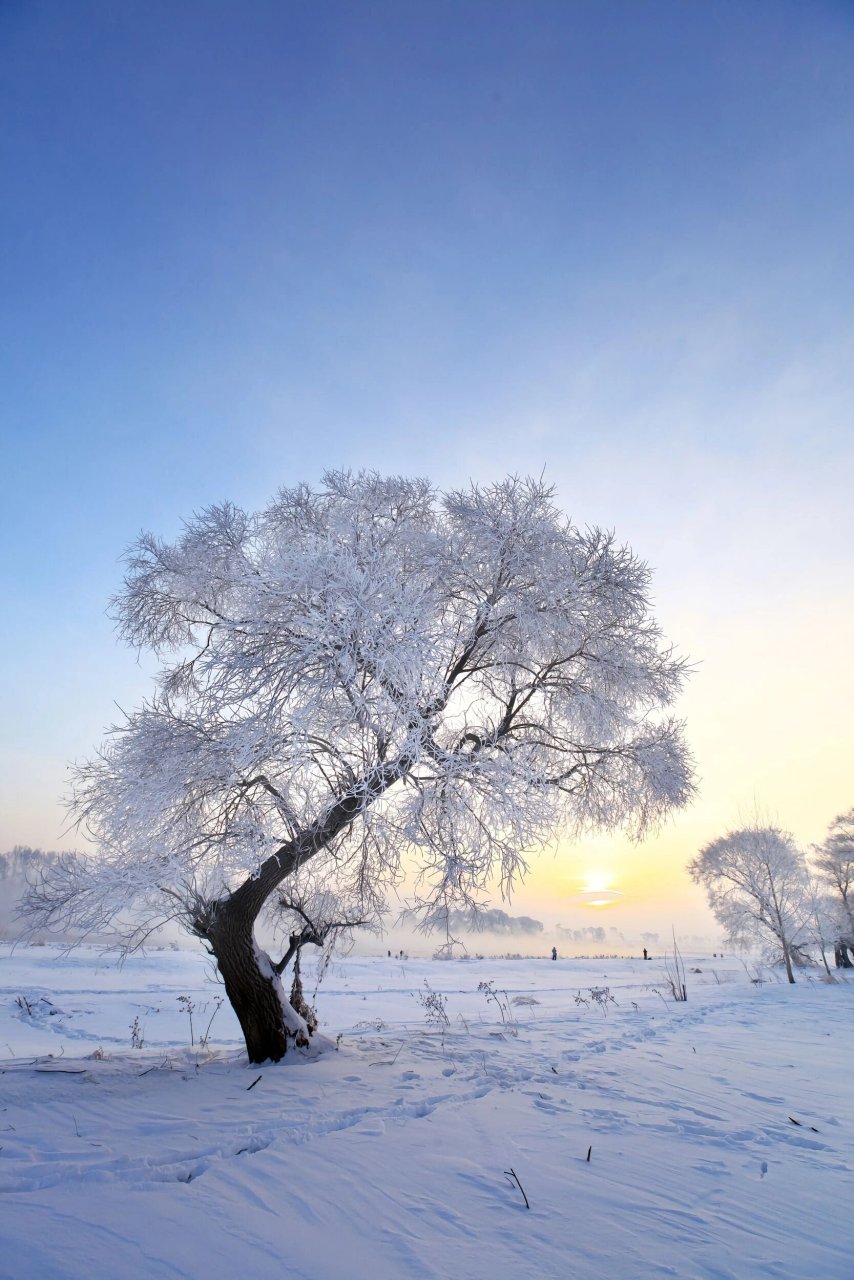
point(18, 867)
point(481, 920)
point(22, 859)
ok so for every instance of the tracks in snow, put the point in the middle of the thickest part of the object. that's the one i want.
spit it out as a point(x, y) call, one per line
point(108, 1121)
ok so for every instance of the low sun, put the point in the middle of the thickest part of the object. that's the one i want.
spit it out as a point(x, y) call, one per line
point(597, 882)
point(597, 891)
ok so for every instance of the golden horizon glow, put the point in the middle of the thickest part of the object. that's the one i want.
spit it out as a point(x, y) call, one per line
point(742, 735)
point(597, 898)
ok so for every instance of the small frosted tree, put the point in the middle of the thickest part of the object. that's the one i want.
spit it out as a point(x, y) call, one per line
point(834, 864)
point(756, 884)
point(359, 679)
point(821, 917)
point(306, 912)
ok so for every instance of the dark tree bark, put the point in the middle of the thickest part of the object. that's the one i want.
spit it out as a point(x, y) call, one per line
point(256, 997)
point(787, 960)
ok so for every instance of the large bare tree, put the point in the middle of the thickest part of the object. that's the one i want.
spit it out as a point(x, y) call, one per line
point(365, 677)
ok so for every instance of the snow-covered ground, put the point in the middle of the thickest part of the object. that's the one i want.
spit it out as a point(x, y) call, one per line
point(719, 1131)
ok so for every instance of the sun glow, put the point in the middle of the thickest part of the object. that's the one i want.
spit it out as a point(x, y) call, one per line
point(598, 898)
point(597, 882)
point(597, 891)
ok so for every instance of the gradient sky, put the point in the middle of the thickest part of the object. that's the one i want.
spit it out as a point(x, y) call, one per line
point(243, 242)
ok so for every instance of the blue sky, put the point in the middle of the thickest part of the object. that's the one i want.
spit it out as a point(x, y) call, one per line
point(241, 243)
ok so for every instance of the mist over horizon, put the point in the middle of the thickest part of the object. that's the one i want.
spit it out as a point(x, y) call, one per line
point(490, 931)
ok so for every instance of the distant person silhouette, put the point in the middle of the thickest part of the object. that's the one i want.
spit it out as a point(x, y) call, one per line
point(554, 953)
point(645, 954)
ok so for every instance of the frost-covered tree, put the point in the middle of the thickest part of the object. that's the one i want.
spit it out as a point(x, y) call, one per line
point(362, 678)
point(834, 863)
point(821, 917)
point(756, 884)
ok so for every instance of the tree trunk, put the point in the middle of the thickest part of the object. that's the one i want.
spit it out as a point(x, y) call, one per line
point(788, 959)
point(252, 985)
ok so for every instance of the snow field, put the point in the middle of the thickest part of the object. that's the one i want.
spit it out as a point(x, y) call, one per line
point(387, 1158)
